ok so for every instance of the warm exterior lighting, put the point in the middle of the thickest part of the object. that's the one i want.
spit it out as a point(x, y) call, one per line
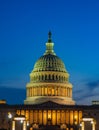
point(19, 118)
point(91, 122)
point(27, 123)
point(10, 119)
point(9, 115)
point(2, 101)
point(87, 119)
point(21, 121)
point(48, 94)
point(49, 116)
point(80, 125)
point(51, 78)
point(75, 117)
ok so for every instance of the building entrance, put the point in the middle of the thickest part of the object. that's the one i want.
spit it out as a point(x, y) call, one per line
point(88, 123)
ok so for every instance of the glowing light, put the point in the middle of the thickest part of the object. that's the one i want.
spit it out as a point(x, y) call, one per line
point(87, 119)
point(9, 115)
point(21, 121)
point(80, 124)
point(75, 117)
point(19, 118)
point(27, 123)
point(91, 122)
point(49, 116)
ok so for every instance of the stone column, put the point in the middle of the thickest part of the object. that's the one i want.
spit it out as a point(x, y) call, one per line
point(66, 91)
point(82, 126)
point(24, 125)
point(13, 125)
point(93, 125)
point(27, 92)
point(32, 92)
point(71, 92)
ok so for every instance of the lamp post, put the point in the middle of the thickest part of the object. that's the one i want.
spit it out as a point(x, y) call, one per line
point(27, 125)
point(21, 124)
point(77, 126)
point(10, 119)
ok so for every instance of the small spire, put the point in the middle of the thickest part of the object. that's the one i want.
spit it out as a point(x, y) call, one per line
point(49, 45)
point(49, 37)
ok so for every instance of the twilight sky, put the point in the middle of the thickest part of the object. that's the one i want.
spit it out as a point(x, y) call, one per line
point(24, 26)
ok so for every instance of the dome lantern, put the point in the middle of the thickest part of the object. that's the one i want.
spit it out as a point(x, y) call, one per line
point(49, 45)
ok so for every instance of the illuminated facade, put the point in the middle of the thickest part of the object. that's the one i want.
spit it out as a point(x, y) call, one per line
point(49, 103)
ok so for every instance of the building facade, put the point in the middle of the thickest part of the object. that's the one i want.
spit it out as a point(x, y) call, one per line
point(49, 103)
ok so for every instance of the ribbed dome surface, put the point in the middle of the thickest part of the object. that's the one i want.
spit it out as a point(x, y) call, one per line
point(49, 62)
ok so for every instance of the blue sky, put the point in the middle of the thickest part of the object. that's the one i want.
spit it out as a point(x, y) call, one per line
point(24, 26)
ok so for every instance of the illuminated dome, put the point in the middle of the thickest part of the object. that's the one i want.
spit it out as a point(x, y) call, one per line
point(49, 62)
point(49, 80)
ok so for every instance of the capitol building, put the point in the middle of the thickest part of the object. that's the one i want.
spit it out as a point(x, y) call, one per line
point(49, 104)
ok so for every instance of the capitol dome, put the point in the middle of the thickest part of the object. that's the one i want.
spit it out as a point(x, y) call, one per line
point(49, 62)
point(49, 80)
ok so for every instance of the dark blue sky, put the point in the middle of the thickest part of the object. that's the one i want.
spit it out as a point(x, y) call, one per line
point(24, 25)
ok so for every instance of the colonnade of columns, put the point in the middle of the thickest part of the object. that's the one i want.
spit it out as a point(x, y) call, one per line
point(49, 91)
point(46, 76)
point(56, 117)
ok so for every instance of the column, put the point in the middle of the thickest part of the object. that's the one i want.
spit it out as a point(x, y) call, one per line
point(93, 125)
point(13, 125)
point(71, 92)
point(24, 125)
point(56, 118)
point(66, 92)
point(56, 91)
point(36, 90)
point(27, 92)
point(42, 117)
point(82, 126)
point(32, 91)
point(41, 91)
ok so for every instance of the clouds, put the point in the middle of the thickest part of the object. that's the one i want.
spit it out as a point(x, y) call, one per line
point(87, 92)
point(92, 85)
point(84, 92)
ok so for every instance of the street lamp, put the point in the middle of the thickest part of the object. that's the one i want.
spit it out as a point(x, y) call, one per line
point(10, 118)
point(21, 124)
point(27, 125)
